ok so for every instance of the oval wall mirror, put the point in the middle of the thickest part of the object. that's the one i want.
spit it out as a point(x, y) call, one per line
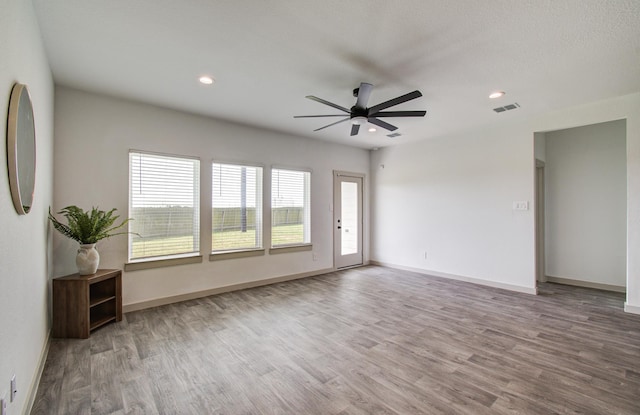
point(21, 149)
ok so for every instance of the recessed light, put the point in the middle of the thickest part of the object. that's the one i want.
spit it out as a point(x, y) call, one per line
point(372, 130)
point(207, 80)
point(496, 94)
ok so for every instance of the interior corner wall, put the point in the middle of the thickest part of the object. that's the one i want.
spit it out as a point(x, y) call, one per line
point(94, 134)
point(585, 197)
point(452, 198)
point(24, 267)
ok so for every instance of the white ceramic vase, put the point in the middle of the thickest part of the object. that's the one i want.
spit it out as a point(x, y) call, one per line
point(87, 259)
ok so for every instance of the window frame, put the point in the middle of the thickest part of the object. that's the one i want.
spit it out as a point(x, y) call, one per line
point(158, 261)
point(298, 246)
point(235, 253)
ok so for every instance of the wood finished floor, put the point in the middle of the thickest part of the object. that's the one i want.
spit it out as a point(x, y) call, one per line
point(370, 340)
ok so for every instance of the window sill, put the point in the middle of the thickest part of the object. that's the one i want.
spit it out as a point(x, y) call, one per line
point(290, 248)
point(161, 263)
point(222, 255)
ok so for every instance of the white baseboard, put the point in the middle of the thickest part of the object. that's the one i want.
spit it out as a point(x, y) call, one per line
point(228, 288)
point(488, 283)
point(35, 381)
point(587, 284)
point(633, 309)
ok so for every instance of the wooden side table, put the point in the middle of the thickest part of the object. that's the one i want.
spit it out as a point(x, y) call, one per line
point(82, 303)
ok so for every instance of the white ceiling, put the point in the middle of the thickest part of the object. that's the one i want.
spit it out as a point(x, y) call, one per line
point(267, 55)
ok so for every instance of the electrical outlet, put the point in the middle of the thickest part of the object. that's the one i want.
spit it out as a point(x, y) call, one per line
point(315, 256)
point(425, 254)
point(14, 388)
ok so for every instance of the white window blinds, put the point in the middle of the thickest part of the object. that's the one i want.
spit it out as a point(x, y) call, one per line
point(164, 203)
point(236, 201)
point(290, 207)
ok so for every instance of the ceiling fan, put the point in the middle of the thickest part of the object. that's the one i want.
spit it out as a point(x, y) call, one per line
point(359, 114)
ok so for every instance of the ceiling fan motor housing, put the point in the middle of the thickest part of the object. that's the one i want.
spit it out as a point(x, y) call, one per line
point(359, 112)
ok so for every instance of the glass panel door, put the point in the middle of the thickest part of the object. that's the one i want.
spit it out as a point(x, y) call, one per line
point(349, 209)
point(347, 220)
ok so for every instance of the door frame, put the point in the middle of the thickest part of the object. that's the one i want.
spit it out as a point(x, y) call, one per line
point(336, 209)
point(541, 275)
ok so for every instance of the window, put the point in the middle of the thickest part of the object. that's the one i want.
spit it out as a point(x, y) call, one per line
point(164, 205)
point(290, 207)
point(236, 201)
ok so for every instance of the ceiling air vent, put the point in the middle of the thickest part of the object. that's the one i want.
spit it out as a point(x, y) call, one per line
point(394, 135)
point(507, 107)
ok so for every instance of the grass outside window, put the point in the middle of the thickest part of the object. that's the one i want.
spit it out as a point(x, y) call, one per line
point(282, 235)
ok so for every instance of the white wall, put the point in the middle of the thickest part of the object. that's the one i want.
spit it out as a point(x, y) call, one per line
point(585, 195)
point(24, 265)
point(452, 196)
point(93, 136)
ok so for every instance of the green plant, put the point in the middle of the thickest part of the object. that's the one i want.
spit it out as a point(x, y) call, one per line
point(87, 227)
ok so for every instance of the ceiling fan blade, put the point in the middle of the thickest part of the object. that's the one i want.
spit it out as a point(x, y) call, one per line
point(399, 100)
point(331, 104)
point(382, 124)
point(318, 116)
point(364, 92)
point(354, 129)
point(333, 123)
point(401, 114)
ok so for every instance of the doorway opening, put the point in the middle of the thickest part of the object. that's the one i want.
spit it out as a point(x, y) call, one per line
point(581, 206)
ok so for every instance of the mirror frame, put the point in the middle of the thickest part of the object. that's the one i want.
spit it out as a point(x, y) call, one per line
point(16, 137)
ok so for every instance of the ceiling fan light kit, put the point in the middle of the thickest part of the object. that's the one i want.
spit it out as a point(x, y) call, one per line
point(360, 114)
point(358, 120)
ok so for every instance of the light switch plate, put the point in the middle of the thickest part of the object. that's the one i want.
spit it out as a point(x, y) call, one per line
point(521, 205)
